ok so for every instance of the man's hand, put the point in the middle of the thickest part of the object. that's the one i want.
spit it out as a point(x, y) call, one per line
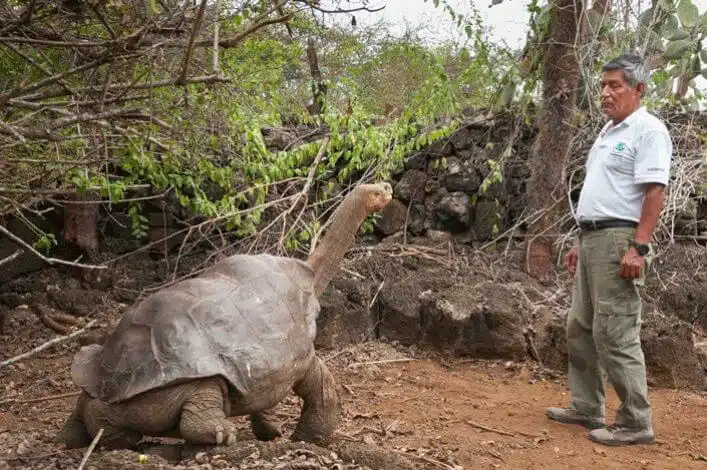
point(571, 259)
point(631, 264)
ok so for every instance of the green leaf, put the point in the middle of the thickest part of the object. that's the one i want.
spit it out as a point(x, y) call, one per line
point(695, 66)
point(655, 42)
point(675, 49)
point(469, 31)
point(703, 23)
point(704, 72)
point(679, 35)
point(703, 55)
point(687, 13)
point(670, 27)
point(644, 20)
point(507, 94)
point(665, 5)
point(666, 87)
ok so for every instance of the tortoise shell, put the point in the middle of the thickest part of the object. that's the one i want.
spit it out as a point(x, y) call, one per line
point(248, 318)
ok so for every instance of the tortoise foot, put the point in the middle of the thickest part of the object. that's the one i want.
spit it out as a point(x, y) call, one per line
point(203, 419)
point(265, 426)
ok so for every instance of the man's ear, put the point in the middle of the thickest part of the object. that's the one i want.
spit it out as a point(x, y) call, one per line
point(641, 89)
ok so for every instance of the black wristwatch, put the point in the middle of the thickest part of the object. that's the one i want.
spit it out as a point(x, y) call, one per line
point(641, 248)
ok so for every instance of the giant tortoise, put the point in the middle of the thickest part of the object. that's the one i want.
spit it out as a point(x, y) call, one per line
point(232, 341)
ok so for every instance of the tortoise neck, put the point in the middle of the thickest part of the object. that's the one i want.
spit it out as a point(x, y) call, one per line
point(339, 237)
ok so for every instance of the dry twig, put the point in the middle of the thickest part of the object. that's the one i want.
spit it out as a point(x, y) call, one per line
point(386, 361)
point(47, 260)
point(46, 345)
point(498, 431)
point(436, 463)
point(90, 449)
point(10, 258)
point(50, 397)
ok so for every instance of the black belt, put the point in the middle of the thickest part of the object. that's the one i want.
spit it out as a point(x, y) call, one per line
point(606, 223)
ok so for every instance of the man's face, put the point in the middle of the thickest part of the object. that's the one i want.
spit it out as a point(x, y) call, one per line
point(618, 97)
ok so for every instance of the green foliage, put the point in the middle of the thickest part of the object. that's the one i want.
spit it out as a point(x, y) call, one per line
point(45, 242)
point(678, 30)
point(140, 223)
point(208, 149)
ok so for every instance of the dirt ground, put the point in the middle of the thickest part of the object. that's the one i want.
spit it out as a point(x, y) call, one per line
point(439, 411)
point(428, 406)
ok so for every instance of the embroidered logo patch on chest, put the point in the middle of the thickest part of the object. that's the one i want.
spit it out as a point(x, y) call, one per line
point(620, 146)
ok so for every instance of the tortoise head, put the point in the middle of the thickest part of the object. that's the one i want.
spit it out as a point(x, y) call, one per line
point(375, 196)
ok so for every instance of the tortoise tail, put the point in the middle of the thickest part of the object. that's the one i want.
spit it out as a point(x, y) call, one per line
point(74, 434)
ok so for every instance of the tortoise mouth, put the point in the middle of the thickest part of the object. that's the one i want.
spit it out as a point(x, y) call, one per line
point(380, 201)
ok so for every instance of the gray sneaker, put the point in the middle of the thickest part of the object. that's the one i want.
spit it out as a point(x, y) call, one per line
point(572, 416)
point(620, 436)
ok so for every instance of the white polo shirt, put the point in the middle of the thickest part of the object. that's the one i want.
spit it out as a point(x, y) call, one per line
point(623, 158)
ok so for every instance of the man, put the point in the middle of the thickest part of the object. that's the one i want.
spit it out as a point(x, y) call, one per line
point(627, 170)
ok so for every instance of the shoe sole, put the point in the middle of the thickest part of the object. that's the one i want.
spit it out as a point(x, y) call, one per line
point(586, 424)
point(642, 441)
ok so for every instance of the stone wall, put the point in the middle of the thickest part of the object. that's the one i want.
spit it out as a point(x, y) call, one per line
point(443, 187)
point(457, 305)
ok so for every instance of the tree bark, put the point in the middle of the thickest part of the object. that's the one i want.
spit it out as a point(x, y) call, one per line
point(319, 88)
point(81, 226)
point(586, 37)
point(546, 191)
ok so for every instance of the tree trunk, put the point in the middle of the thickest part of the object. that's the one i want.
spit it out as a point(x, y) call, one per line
point(547, 189)
point(80, 227)
point(318, 86)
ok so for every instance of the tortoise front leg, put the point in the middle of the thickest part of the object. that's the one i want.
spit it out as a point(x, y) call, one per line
point(321, 411)
point(204, 415)
point(111, 418)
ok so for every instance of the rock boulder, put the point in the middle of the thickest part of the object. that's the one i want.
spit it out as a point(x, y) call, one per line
point(482, 319)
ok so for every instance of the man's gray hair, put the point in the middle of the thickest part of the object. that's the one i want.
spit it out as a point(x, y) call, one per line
point(633, 68)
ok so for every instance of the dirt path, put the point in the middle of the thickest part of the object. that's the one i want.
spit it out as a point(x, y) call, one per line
point(433, 403)
point(416, 407)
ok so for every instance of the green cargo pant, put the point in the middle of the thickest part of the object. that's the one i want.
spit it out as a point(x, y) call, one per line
point(603, 329)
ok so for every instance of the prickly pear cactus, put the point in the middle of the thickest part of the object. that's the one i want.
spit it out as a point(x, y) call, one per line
point(676, 30)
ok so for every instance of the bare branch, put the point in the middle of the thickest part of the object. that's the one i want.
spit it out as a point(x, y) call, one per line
point(10, 258)
point(190, 47)
point(343, 10)
point(237, 38)
point(85, 117)
point(48, 42)
point(47, 260)
point(5, 97)
point(9, 129)
point(45, 192)
point(52, 342)
point(24, 19)
point(122, 86)
point(102, 19)
point(305, 190)
point(217, 24)
point(36, 64)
